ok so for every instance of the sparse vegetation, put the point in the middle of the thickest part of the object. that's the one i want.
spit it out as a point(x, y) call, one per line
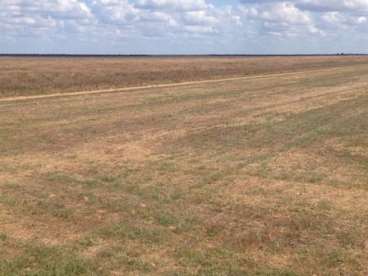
point(35, 76)
point(246, 177)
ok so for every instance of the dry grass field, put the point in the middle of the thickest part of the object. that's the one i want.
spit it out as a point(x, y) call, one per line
point(258, 176)
point(34, 76)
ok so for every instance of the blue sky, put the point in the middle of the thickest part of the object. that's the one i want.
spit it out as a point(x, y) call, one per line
point(183, 26)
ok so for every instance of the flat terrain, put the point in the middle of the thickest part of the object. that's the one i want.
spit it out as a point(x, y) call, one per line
point(258, 176)
point(35, 76)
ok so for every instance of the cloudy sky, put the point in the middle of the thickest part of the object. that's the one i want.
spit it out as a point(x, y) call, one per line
point(183, 26)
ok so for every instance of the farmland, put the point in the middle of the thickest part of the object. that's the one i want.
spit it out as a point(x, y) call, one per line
point(261, 175)
point(35, 76)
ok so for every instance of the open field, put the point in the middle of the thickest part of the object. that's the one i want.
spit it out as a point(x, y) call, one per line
point(35, 76)
point(262, 176)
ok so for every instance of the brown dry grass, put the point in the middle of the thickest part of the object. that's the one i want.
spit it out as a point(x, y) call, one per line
point(259, 177)
point(35, 76)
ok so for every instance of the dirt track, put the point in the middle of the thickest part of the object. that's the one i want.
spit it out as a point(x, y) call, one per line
point(125, 89)
point(35, 76)
point(263, 175)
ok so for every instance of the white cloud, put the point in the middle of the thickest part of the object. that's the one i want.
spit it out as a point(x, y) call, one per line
point(334, 5)
point(115, 11)
point(191, 21)
point(280, 18)
point(323, 17)
point(38, 17)
point(178, 5)
point(200, 18)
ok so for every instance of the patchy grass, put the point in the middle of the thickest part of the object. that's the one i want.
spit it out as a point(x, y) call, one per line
point(257, 177)
point(32, 76)
point(41, 260)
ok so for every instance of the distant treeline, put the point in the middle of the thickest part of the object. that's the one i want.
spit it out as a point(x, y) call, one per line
point(174, 56)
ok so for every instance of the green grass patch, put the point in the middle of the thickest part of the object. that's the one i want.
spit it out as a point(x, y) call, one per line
point(47, 261)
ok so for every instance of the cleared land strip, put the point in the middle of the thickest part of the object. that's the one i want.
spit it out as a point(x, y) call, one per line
point(124, 89)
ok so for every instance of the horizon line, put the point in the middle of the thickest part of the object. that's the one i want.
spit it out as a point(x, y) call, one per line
point(173, 55)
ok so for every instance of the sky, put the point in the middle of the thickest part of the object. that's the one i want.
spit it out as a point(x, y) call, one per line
point(184, 26)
